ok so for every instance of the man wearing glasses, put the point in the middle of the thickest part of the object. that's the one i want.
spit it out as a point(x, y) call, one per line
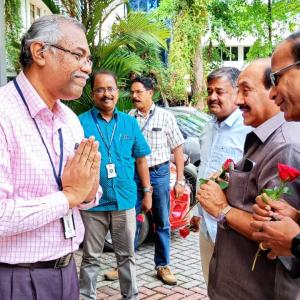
point(47, 170)
point(282, 236)
point(231, 272)
point(122, 147)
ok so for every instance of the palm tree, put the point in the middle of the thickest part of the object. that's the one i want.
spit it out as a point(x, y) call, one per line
point(131, 40)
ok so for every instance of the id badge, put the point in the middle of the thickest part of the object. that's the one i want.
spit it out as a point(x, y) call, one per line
point(69, 226)
point(111, 171)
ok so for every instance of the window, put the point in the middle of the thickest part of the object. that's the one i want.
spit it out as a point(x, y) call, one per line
point(38, 12)
point(32, 13)
point(143, 5)
point(234, 54)
point(230, 54)
point(246, 50)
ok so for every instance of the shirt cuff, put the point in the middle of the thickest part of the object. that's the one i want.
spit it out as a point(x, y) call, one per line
point(94, 202)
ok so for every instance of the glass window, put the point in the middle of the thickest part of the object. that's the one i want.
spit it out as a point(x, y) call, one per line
point(38, 12)
point(226, 54)
point(143, 5)
point(234, 53)
point(246, 50)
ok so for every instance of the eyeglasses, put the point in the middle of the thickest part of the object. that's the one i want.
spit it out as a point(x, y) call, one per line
point(79, 57)
point(137, 92)
point(103, 90)
point(274, 77)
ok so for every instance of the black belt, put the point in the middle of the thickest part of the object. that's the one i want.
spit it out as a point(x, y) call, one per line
point(156, 167)
point(61, 262)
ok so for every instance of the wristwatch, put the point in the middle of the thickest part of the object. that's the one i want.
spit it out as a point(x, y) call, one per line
point(148, 189)
point(180, 182)
point(295, 248)
point(222, 217)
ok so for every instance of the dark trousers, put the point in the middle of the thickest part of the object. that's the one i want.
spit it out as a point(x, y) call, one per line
point(39, 284)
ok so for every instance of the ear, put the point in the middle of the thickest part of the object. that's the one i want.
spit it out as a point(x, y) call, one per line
point(151, 92)
point(37, 53)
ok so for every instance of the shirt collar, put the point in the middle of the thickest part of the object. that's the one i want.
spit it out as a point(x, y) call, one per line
point(97, 112)
point(264, 130)
point(138, 113)
point(35, 102)
point(229, 121)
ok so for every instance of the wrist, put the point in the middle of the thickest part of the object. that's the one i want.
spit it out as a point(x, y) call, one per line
point(148, 189)
point(71, 198)
point(180, 181)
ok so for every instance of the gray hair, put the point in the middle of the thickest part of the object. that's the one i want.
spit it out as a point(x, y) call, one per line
point(230, 73)
point(45, 29)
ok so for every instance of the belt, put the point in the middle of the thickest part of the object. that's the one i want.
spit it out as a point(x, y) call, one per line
point(61, 262)
point(156, 167)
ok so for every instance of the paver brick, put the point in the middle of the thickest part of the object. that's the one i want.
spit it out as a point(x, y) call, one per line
point(183, 291)
point(163, 290)
point(185, 264)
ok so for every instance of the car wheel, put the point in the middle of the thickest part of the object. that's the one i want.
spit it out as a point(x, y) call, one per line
point(108, 246)
point(190, 174)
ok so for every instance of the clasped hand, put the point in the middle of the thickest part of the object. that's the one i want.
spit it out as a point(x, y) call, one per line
point(80, 178)
point(212, 198)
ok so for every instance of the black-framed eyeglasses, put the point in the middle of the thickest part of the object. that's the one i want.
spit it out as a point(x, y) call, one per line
point(102, 90)
point(274, 77)
point(78, 56)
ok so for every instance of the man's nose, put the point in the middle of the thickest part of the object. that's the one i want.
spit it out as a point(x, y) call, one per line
point(273, 93)
point(239, 99)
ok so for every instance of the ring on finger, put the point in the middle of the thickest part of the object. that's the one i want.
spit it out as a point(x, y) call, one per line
point(261, 247)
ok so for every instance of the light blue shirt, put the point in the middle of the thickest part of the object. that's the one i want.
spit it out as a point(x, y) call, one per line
point(218, 142)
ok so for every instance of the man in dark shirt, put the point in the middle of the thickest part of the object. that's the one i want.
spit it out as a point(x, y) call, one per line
point(272, 141)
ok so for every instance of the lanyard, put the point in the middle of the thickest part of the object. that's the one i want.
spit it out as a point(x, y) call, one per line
point(146, 123)
point(61, 143)
point(108, 146)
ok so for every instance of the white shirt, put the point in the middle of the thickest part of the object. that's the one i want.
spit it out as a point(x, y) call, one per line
point(218, 142)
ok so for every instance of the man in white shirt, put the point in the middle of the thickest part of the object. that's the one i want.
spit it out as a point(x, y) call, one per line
point(222, 138)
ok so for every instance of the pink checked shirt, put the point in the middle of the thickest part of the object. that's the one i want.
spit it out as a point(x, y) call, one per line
point(31, 206)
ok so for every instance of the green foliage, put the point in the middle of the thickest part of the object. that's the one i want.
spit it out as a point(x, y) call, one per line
point(13, 28)
point(189, 21)
point(133, 44)
point(267, 21)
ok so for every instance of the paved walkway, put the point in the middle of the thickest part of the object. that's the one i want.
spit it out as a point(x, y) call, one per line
point(185, 264)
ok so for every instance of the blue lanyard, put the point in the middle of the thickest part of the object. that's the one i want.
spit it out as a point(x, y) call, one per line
point(149, 118)
point(61, 143)
point(108, 146)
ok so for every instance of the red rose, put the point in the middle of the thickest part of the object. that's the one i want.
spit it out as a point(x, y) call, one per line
point(141, 217)
point(228, 164)
point(287, 173)
point(184, 232)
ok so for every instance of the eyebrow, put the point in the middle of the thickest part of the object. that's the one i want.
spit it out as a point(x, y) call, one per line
point(83, 50)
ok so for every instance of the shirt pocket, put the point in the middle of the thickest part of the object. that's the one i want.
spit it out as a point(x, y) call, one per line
point(155, 137)
point(126, 145)
point(238, 189)
point(221, 153)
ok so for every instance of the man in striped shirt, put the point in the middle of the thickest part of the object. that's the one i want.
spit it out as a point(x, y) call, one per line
point(163, 135)
point(42, 182)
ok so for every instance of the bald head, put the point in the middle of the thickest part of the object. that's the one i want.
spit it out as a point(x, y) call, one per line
point(253, 93)
point(286, 74)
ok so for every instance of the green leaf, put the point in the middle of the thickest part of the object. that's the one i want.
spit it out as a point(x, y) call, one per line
point(202, 181)
point(223, 185)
